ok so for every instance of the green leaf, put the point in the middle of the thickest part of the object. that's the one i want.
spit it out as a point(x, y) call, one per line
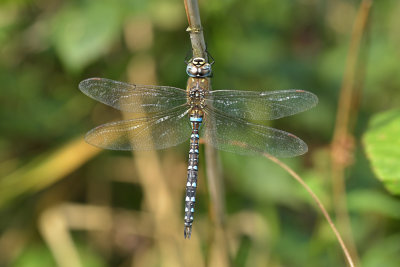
point(81, 34)
point(382, 145)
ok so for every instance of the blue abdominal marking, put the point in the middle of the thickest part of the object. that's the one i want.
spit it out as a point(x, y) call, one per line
point(195, 119)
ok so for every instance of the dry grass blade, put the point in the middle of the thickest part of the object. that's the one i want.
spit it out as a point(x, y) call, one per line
point(319, 203)
point(45, 170)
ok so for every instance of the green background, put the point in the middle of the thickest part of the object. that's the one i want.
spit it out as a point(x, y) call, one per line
point(48, 47)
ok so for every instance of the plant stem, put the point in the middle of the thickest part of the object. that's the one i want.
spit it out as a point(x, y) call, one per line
point(319, 203)
point(342, 143)
point(195, 29)
point(213, 169)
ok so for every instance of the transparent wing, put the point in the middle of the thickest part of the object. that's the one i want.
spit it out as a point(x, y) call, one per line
point(251, 105)
point(239, 136)
point(132, 97)
point(158, 132)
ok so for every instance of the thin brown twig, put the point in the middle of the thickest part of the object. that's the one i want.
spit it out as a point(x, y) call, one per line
point(213, 169)
point(195, 29)
point(319, 203)
point(199, 50)
point(342, 143)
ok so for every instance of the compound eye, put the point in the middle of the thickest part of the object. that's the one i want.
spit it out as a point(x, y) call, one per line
point(191, 70)
point(206, 70)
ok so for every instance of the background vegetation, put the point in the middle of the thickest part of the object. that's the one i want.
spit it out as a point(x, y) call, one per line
point(65, 203)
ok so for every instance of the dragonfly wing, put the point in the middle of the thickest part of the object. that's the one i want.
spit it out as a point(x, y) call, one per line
point(242, 137)
point(270, 105)
point(132, 97)
point(158, 132)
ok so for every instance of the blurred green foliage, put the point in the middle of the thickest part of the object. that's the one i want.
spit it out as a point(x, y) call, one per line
point(47, 47)
point(381, 145)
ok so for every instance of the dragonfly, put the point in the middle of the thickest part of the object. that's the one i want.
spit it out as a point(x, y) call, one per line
point(170, 116)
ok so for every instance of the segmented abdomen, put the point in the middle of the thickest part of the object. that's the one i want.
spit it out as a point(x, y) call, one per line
point(191, 185)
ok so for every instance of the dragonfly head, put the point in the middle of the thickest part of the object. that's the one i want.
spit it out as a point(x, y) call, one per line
point(198, 67)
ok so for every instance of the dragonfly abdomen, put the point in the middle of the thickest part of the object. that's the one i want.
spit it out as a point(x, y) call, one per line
point(190, 199)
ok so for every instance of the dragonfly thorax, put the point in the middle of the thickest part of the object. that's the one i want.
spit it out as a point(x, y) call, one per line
point(196, 98)
point(198, 67)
